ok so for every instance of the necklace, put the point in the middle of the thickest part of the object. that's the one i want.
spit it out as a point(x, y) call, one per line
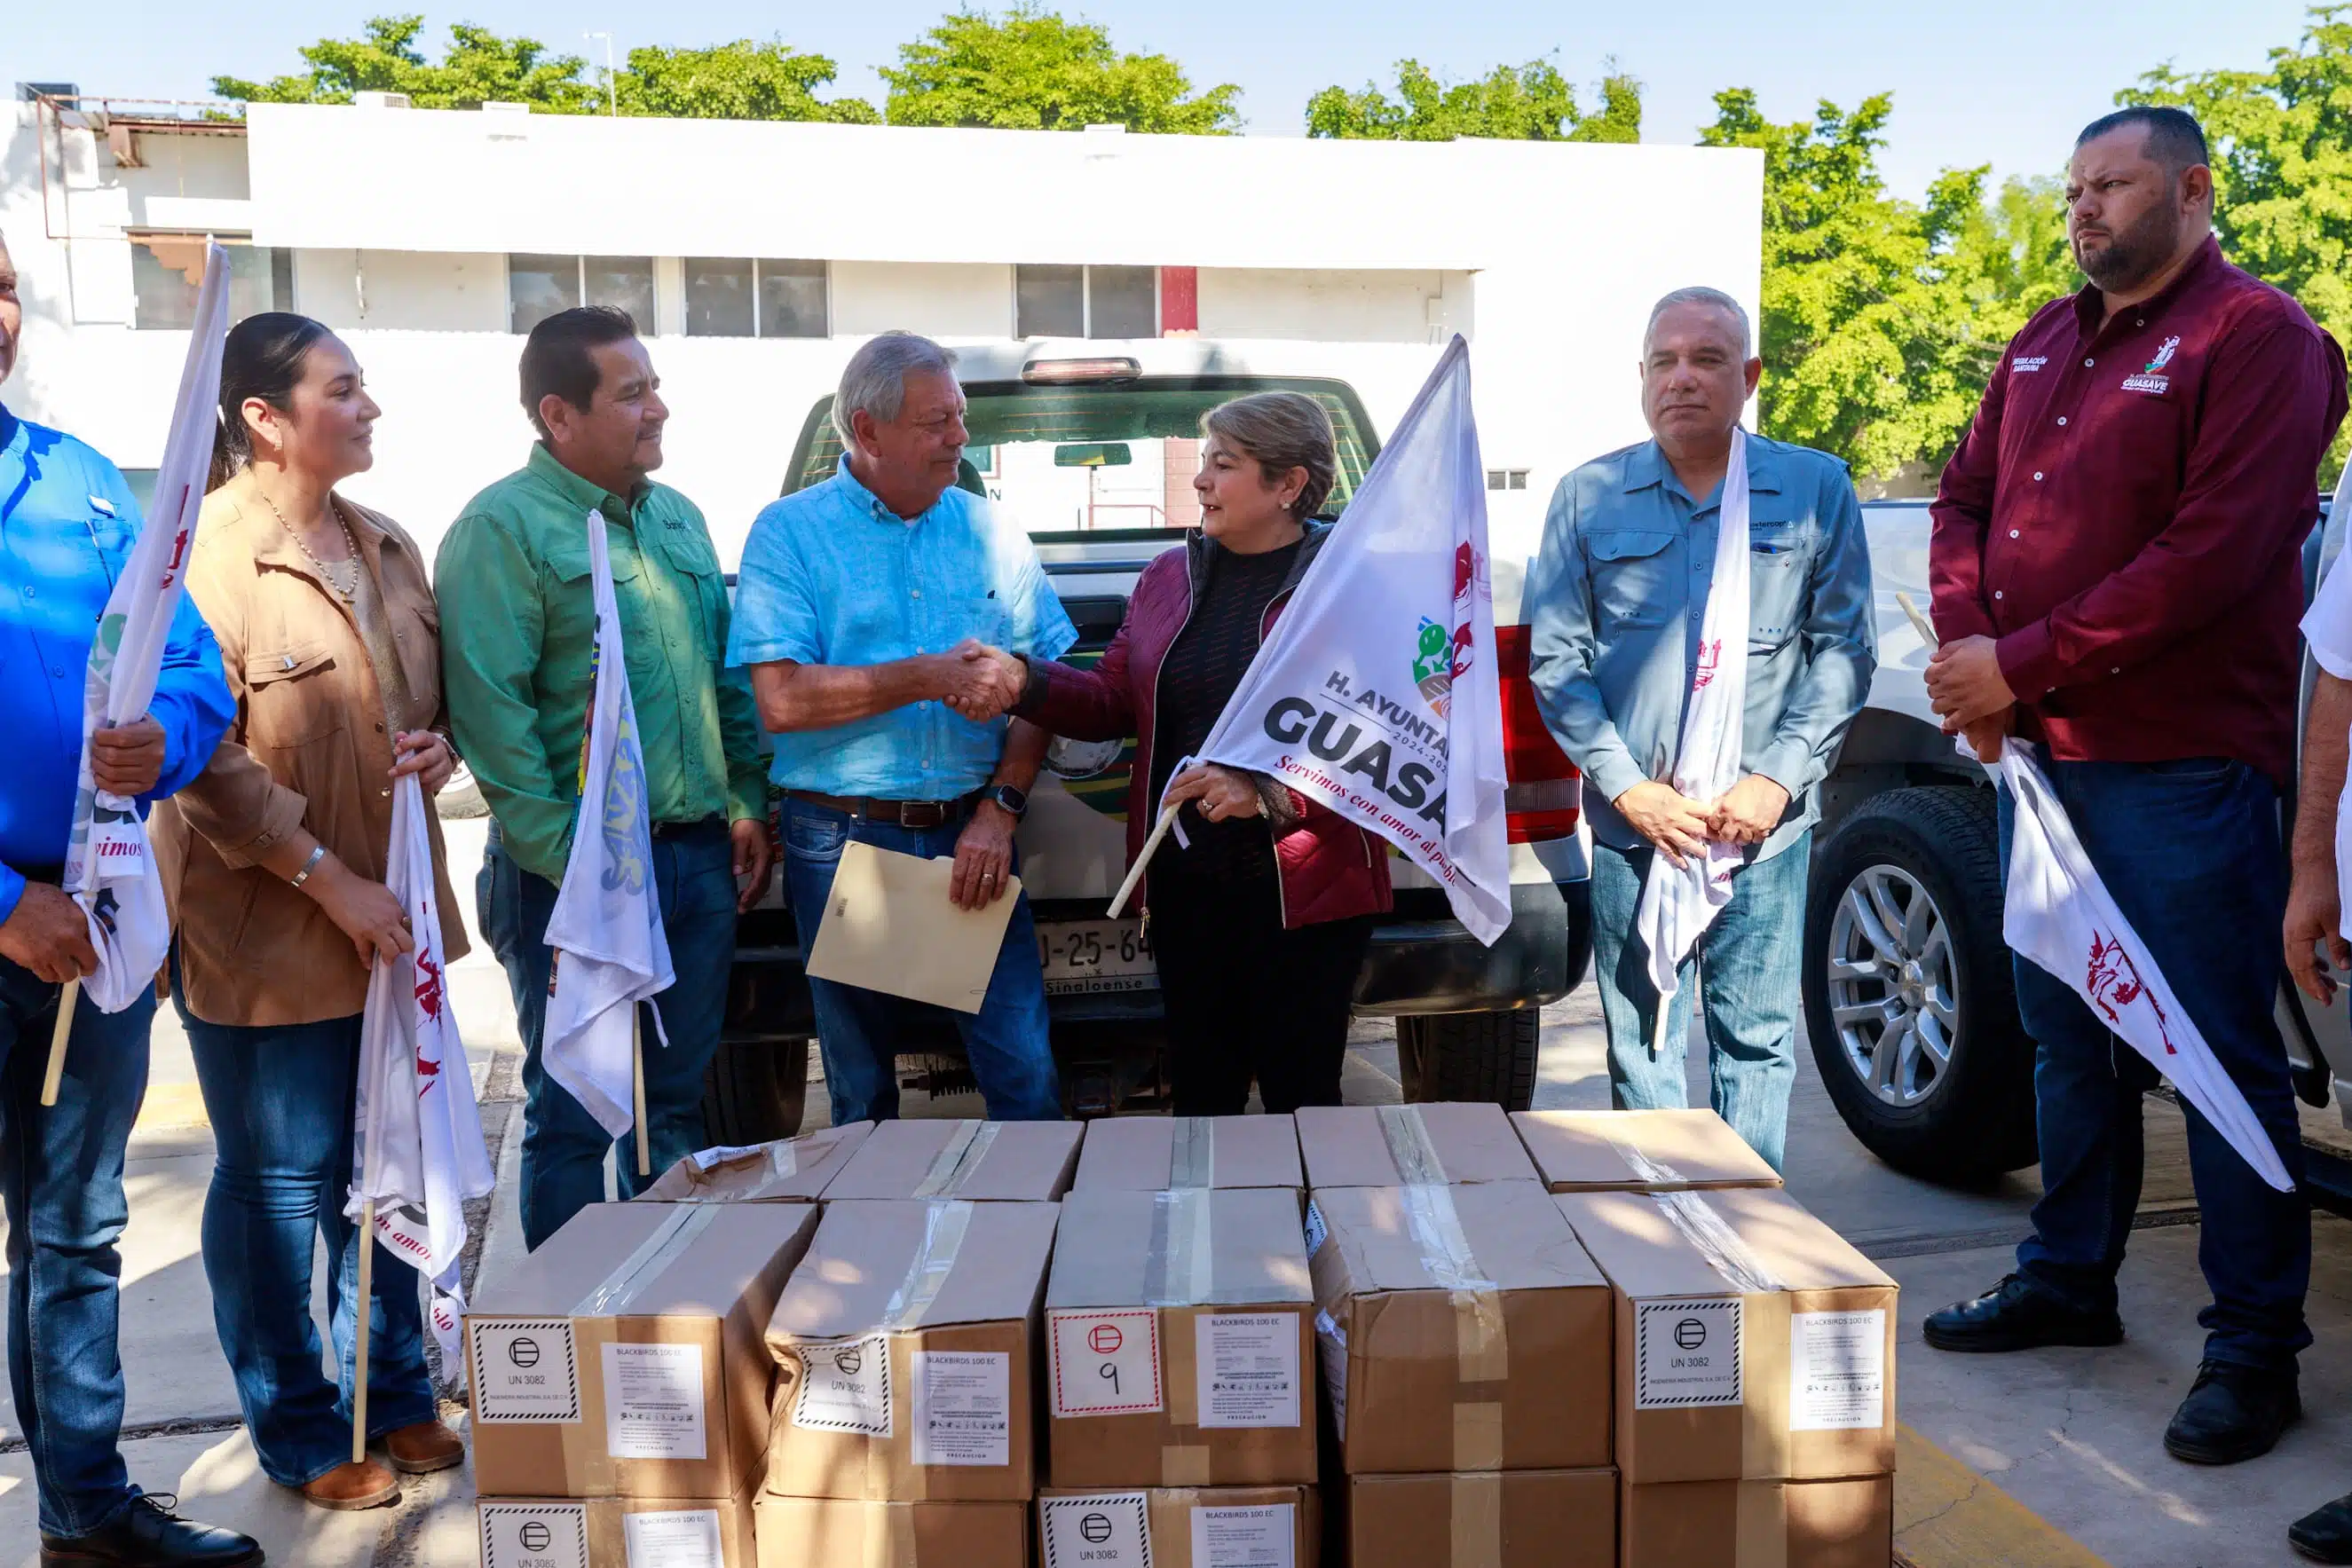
point(344, 582)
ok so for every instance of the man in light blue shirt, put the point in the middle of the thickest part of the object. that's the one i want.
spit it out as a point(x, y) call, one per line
point(1615, 607)
point(867, 609)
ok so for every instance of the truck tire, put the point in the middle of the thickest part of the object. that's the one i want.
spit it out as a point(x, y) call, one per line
point(1909, 996)
point(1470, 1056)
point(756, 1090)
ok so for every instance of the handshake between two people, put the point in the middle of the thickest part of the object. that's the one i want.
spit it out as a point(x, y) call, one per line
point(977, 681)
point(1678, 826)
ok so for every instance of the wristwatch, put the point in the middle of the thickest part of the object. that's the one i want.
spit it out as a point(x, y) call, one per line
point(1014, 802)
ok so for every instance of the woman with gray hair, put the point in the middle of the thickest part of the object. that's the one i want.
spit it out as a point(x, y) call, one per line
point(1260, 924)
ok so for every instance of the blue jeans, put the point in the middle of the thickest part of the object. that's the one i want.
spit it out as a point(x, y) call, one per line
point(1746, 970)
point(280, 1102)
point(563, 1148)
point(61, 1180)
point(1008, 1040)
point(2190, 853)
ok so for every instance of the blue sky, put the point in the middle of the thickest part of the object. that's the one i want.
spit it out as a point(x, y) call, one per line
point(2006, 82)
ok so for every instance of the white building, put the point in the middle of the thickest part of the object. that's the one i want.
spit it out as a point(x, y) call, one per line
point(759, 254)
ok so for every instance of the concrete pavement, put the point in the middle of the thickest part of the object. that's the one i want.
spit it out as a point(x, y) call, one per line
point(2049, 1458)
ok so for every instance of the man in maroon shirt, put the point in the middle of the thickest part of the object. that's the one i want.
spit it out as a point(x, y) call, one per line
point(2117, 574)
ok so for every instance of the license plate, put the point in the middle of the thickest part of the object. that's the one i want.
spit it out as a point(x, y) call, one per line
point(1081, 956)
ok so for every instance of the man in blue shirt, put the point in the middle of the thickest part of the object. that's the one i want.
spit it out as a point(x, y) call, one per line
point(67, 524)
point(865, 609)
point(1615, 607)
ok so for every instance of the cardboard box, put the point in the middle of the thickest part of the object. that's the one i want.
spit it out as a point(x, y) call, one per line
point(1397, 1145)
point(1180, 1527)
point(1510, 1519)
point(832, 1532)
point(623, 1357)
point(1639, 1151)
point(906, 1354)
point(1753, 1343)
point(1013, 1162)
point(624, 1531)
point(1459, 1328)
point(790, 1170)
point(1151, 1153)
point(1760, 1524)
point(1179, 1341)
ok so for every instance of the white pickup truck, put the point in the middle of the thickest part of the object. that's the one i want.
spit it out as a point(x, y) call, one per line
point(1908, 983)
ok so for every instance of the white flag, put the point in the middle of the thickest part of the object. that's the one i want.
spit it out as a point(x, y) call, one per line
point(1375, 694)
point(417, 1149)
point(111, 867)
point(2062, 917)
point(1679, 902)
point(609, 952)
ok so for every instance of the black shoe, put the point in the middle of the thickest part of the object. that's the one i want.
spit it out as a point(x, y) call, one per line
point(2017, 1314)
point(2231, 1414)
point(2324, 1534)
point(148, 1534)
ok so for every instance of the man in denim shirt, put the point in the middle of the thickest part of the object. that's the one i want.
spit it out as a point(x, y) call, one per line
point(1614, 605)
point(866, 611)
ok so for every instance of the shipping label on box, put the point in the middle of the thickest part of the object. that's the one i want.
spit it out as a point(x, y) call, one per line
point(1106, 1529)
point(525, 1369)
point(534, 1535)
point(1247, 1368)
point(1104, 1362)
point(674, 1538)
point(654, 1402)
point(1264, 1536)
point(1686, 1353)
point(963, 1407)
point(845, 1384)
point(1837, 1369)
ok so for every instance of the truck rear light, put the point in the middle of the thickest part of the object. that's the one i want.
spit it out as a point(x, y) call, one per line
point(1072, 373)
point(1545, 796)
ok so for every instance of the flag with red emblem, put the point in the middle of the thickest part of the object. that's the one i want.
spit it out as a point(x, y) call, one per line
point(418, 1151)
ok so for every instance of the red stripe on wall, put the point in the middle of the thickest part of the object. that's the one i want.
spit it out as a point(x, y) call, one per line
point(1180, 300)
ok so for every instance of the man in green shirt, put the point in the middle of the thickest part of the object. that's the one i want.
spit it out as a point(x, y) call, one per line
point(517, 622)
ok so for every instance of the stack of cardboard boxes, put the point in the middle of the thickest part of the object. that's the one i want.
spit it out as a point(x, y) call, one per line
point(903, 1431)
point(1754, 1348)
point(1463, 1336)
point(1397, 1336)
point(621, 1387)
point(1180, 1366)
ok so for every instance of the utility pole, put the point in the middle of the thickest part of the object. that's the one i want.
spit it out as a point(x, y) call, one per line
point(611, 92)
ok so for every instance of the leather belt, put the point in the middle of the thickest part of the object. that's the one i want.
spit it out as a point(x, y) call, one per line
point(55, 876)
point(685, 830)
point(913, 814)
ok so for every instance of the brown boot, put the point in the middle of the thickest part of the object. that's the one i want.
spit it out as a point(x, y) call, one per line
point(426, 1447)
point(363, 1485)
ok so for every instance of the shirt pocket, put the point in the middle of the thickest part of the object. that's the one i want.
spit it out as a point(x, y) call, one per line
point(572, 610)
point(1629, 583)
point(985, 617)
point(704, 588)
point(1778, 566)
point(292, 696)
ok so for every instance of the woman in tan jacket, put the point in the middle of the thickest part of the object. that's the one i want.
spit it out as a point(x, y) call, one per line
point(276, 860)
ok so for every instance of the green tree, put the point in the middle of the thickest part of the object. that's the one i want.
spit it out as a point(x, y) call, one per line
point(1032, 70)
point(1532, 102)
point(2282, 144)
point(479, 67)
point(742, 80)
point(1883, 318)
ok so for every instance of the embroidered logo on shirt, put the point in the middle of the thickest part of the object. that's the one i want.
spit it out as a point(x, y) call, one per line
point(2149, 380)
point(2021, 366)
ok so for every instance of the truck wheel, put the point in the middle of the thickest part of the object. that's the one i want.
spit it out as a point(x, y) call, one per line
point(1470, 1056)
point(756, 1090)
point(1909, 996)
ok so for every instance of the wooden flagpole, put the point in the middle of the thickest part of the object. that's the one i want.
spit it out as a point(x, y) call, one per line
point(362, 1323)
point(68, 998)
point(1919, 623)
point(1135, 871)
point(637, 1086)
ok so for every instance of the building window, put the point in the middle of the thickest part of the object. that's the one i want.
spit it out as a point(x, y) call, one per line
point(1085, 301)
point(167, 270)
point(732, 298)
point(540, 285)
point(1507, 478)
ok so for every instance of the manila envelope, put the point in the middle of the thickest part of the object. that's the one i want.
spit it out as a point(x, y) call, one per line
point(888, 927)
